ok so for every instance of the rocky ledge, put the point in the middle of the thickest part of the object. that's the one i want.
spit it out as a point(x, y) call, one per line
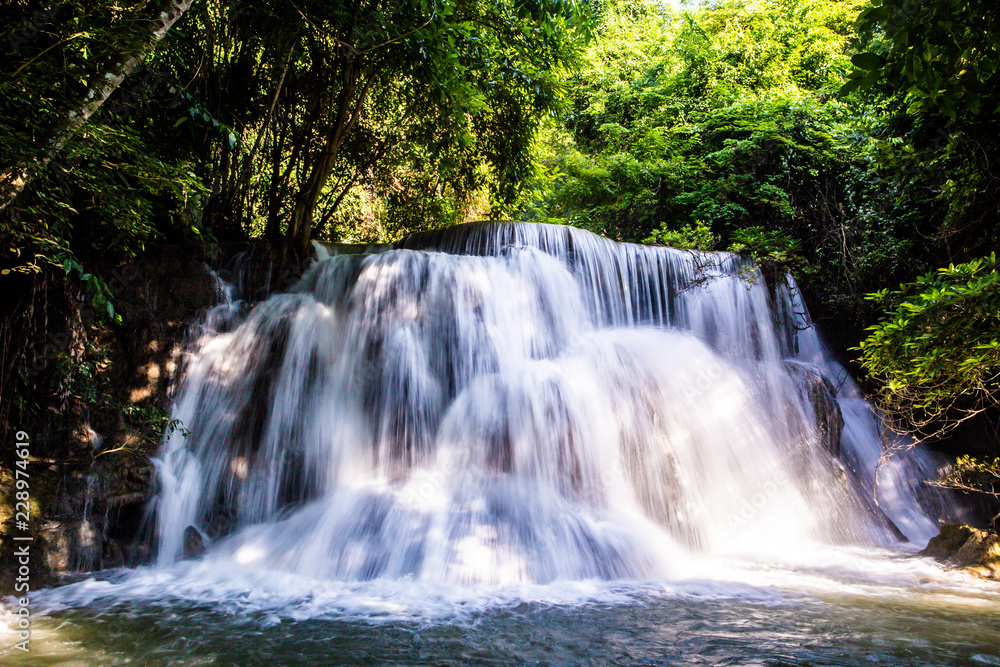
point(970, 549)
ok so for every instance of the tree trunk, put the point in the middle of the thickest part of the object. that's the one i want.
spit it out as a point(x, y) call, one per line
point(298, 236)
point(108, 82)
point(74, 407)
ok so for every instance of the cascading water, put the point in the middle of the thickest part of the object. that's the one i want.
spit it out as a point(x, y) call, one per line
point(525, 444)
point(516, 403)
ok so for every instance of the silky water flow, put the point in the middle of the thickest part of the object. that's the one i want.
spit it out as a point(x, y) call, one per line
point(525, 444)
point(517, 403)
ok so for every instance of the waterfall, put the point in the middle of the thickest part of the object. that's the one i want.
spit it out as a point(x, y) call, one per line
point(510, 402)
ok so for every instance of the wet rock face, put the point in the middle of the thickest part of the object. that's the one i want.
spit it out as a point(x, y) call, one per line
point(960, 546)
point(91, 472)
point(94, 520)
point(822, 396)
point(194, 543)
point(951, 538)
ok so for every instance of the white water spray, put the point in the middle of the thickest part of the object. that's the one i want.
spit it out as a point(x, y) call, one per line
point(514, 403)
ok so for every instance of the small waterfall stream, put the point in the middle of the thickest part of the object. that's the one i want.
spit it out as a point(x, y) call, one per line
point(508, 403)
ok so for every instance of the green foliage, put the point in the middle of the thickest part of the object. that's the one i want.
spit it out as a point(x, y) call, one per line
point(775, 251)
point(725, 117)
point(690, 237)
point(944, 54)
point(113, 187)
point(367, 120)
point(936, 353)
point(933, 67)
point(101, 296)
point(253, 114)
point(937, 67)
point(975, 475)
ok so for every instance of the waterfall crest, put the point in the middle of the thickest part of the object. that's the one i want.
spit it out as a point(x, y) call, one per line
point(512, 402)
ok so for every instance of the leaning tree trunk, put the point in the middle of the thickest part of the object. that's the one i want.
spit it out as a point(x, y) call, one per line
point(107, 83)
point(350, 101)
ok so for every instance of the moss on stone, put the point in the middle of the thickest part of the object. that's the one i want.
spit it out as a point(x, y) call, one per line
point(970, 549)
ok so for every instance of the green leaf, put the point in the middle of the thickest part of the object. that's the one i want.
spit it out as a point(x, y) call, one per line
point(868, 61)
point(851, 86)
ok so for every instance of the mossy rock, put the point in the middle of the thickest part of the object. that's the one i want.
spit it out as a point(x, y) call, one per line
point(971, 549)
point(991, 555)
point(949, 541)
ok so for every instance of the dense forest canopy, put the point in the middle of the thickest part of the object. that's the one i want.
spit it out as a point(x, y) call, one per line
point(853, 142)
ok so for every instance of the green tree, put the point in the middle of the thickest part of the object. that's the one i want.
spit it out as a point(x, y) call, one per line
point(451, 87)
point(936, 353)
point(936, 65)
point(725, 118)
point(133, 52)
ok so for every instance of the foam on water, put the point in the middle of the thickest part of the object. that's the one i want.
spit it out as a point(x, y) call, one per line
point(839, 574)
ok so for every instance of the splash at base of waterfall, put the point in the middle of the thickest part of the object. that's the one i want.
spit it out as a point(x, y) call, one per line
point(514, 405)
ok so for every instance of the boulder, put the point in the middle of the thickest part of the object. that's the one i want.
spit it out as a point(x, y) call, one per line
point(949, 541)
point(194, 543)
point(974, 550)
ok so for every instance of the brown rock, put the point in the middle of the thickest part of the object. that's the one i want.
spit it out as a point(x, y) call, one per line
point(949, 541)
point(194, 543)
point(972, 550)
point(991, 553)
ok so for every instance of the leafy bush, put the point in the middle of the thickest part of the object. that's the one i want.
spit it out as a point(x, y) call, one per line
point(936, 353)
point(698, 236)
